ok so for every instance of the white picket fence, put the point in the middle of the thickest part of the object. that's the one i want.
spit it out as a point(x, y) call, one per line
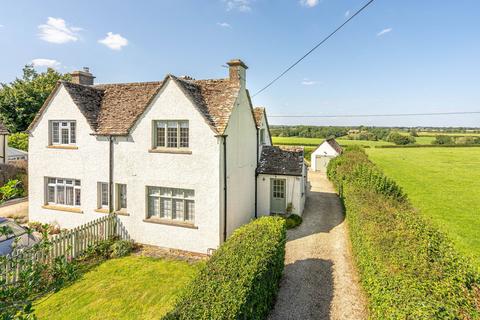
point(71, 244)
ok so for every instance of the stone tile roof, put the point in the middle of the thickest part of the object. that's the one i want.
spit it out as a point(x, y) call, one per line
point(258, 113)
point(113, 109)
point(123, 104)
point(281, 161)
point(334, 144)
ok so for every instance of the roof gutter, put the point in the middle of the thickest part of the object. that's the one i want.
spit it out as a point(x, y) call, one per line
point(256, 177)
point(110, 174)
point(224, 188)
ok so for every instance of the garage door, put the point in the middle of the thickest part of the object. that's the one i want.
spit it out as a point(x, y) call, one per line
point(321, 163)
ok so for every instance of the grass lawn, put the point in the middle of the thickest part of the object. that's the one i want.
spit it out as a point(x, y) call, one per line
point(127, 288)
point(444, 184)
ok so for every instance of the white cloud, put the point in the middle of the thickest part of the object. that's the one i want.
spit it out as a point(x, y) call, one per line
point(384, 31)
point(347, 14)
point(309, 3)
point(308, 82)
point(239, 5)
point(57, 31)
point(47, 63)
point(224, 24)
point(1, 26)
point(114, 41)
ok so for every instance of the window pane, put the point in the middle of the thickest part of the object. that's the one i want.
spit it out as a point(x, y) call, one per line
point(184, 137)
point(177, 209)
point(190, 210)
point(77, 197)
point(172, 136)
point(51, 194)
point(122, 196)
point(166, 208)
point(104, 194)
point(55, 132)
point(160, 137)
point(65, 136)
point(153, 206)
point(73, 137)
point(69, 196)
point(60, 194)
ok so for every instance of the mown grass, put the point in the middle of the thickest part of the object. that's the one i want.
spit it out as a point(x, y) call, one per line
point(127, 288)
point(313, 142)
point(444, 184)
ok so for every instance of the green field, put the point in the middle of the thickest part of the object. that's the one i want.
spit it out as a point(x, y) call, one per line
point(128, 288)
point(444, 184)
point(313, 142)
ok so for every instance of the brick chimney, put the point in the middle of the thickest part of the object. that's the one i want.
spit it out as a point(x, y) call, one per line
point(237, 71)
point(83, 77)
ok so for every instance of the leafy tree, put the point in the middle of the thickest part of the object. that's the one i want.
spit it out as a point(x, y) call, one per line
point(413, 132)
point(21, 99)
point(400, 139)
point(18, 140)
point(443, 139)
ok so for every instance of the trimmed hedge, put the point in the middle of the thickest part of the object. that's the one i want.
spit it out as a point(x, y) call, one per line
point(241, 279)
point(408, 268)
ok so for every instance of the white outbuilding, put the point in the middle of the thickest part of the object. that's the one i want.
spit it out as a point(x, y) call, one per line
point(326, 151)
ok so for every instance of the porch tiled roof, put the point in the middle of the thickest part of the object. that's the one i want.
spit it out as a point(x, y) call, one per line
point(281, 161)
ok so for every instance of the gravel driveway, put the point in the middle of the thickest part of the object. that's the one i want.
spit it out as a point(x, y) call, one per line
point(319, 280)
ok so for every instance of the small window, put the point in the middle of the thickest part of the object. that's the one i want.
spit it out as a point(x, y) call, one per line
point(121, 197)
point(103, 195)
point(65, 192)
point(171, 134)
point(63, 132)
point(171, 203)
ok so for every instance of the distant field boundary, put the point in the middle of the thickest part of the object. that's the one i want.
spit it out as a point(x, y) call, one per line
point(430, 146)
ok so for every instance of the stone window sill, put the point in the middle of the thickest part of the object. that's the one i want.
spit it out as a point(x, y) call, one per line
point(121, 213)
point(171, 150)
point(61, 208)
point(65, 147)
point(171, 223)
point(101, 210)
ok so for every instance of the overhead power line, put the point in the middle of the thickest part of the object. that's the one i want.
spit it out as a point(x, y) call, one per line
point(314, 48)
point(374, 115)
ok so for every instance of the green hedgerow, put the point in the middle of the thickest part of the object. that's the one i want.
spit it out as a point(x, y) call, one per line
point(408, 268)
point(241, 279)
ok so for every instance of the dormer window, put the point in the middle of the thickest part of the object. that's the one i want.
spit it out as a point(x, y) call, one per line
point(63, 132)
point(171, 134)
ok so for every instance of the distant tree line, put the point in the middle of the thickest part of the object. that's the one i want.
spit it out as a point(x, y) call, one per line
point(308, 131)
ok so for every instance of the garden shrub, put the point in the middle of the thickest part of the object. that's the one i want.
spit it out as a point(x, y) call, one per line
point(241, 279)
point(408, 269)
point(18, 140)
point(293, 221)
point(121, 248)
point(12, 189)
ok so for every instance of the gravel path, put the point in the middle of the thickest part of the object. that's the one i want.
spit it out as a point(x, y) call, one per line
point(319, 280)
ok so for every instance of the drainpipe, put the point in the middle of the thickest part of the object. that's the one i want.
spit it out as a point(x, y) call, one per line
point(110, 174)
point(224, 188)
point(256, 176)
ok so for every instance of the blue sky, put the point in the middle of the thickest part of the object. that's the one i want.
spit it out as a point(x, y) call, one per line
point(397, 57)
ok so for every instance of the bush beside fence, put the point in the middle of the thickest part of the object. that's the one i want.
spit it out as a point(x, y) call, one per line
point(241, 279)
point(69, 244)
point(408, 268)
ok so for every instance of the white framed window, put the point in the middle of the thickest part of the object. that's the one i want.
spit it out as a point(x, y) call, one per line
point(171, 134)
point(171, 204)
point(121, 196)
point(103, 195)
point(64, 192)
point(63, 132)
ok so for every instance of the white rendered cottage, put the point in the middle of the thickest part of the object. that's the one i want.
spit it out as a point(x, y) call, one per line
point(175, 160)
point(326, 151)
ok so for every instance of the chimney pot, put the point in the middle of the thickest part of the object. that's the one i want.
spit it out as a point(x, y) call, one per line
point(83, 77)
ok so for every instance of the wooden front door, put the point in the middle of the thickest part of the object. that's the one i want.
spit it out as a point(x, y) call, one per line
point(278, 195)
